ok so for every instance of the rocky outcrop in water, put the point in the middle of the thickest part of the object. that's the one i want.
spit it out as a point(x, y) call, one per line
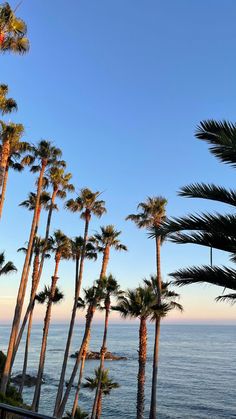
point(91, 355)
point(30, 380)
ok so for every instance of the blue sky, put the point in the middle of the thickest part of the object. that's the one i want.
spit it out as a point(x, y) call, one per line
point(120, 86)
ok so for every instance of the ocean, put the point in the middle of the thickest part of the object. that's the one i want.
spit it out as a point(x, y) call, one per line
point(197, 369)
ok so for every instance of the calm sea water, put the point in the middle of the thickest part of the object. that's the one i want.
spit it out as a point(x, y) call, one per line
point(197, 372)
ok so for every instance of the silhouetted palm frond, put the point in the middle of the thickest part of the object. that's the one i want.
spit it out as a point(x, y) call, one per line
point(221, 136)
point(210, 192)
point(229, 298)
point(223, 277)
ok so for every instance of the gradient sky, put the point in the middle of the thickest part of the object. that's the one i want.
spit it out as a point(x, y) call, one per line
point(120, 86)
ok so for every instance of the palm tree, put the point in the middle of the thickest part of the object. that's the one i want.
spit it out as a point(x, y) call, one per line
point(14, 164)
point(81, 372)
point(107, 385)
point(107, 239)
point(39, 245)
point(79, 414)
point(16, 150)
point(87, 204)
point(111, 289)
point(30, 202)
point(206, 229)
point(159, 310)
point(6, 268)
point(150, 216)
point(48, 297)
point(60, 183)
point(93, 296)
point(7, 105)
point(77, 246)
point(12, 31)
point(88, 302)
point(60, 245)
point(45, 154)
point(138, 304)
point(10, 134)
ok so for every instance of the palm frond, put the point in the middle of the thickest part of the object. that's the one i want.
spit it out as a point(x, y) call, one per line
point(222, 276)
point(209, 239)
point(221, 137)
point(225, 224)
point(229, 298)
point(210, 192)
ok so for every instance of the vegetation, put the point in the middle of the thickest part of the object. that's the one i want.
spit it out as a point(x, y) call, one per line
point(138, 304)
point(12, 397)
point(13, 31)
point(6, 268)
point(79, 414)
point(149, 302)
point(87, 204)
point(110, 289)
point(107, 385)
point(215, 230)
point(151, 215)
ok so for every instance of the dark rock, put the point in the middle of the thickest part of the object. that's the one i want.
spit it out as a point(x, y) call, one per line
point(30, 381)
point(91, 355)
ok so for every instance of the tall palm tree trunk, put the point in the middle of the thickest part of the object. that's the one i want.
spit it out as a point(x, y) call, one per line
point(4, 188)
point(3, 160)
point(102, 358)
point(32, 295)
point(158, 267)
point(79, 278)
point(76, 399)
point(22, 290)
point(89, 319)
point(153, 408)
point(27, 343)
point(105, 261)
point(153, 405)
point(37, 392)
point(142, 364)
point(34, 291)
point(99, 405)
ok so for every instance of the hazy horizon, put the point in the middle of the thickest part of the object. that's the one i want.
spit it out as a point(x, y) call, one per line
point(120, 87)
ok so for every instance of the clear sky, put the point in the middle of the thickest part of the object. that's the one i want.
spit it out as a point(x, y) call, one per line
point(120, 86)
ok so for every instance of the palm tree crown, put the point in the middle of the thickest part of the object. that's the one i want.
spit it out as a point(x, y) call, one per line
point(46, 296)
point(7, 105)
point(150, 213)
point(168, 298)
point(77, 246)
point(108, 237)
point(79, 414)
point(136, 303)
point(12, 31)
point(6, 267)
point(31, 201)
point(110, 289)
point(60, 245)
point(60, 181)
point(87, 203)
point(11, 132)
point(107, 384)
point(38, 248)
point(44, 154)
